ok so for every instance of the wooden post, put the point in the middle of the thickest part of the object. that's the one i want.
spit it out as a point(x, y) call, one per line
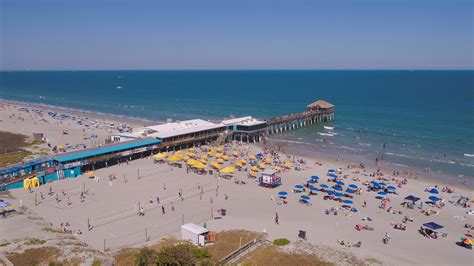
point(138, 173)
point(146, 234)
point(36, 199)
point(182, 219)
point(88, 224)
point(240, 242)
point(104, 244)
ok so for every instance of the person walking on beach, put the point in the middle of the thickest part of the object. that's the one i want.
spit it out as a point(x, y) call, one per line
point(151, 200)
point(276, 218)
point(172, 207)
point(157, 200)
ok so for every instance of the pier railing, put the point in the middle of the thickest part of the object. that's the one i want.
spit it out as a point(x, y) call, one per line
point(301, 115)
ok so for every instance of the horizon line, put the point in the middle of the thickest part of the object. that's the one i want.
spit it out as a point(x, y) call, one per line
point(241, 69)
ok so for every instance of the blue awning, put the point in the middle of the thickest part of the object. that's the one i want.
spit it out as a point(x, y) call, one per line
point(433, 226)
point(24, 165)
point(74, 156)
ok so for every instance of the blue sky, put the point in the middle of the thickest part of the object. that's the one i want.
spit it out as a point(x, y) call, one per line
point(231, 34)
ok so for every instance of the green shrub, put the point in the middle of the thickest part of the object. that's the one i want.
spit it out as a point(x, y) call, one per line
point(145, 257)
point(281, 242)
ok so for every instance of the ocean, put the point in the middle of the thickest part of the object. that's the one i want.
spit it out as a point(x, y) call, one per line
point(415, 119)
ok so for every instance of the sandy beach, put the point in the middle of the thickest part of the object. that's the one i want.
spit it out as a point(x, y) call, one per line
point(111, 205)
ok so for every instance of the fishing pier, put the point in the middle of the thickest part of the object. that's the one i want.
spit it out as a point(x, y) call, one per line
point(317, 112)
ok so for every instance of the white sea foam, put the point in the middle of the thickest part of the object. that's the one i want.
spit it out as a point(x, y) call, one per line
point(329, 128)
point(365, 144)
point(350, 148)
point(326, 134)
point(468, 155)
point(466, 164)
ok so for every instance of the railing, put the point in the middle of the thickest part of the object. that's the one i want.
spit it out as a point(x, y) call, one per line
point(294, 116)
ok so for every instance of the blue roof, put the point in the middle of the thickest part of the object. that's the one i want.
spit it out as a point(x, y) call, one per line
point(105, 150)
point(24, 165)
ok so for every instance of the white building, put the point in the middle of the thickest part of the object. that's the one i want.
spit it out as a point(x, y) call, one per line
point(196, 234)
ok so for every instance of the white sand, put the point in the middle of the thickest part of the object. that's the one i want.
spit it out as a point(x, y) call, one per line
point(248, 207)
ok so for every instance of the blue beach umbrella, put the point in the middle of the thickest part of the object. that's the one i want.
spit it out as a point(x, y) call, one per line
point(382, 184)
point(339, 194)
point(331, 171)
point(332, 175)
point(330, 192)
point(347, 201)
point(433, 191)
point(299, 186)
point(324, 186)
point(311, 181)
point(433, 198)
point(382, 193)
point(350, 191)
point(338, 188)
point(391, 188)
point(314, 177)
point(314, 189)
point(282, 193)
point(304, 197)
point(353, 186)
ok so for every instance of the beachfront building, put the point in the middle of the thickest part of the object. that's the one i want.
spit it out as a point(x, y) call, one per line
point(178, 135)
point(13, 176)
point(246, 128)
point(74, 163)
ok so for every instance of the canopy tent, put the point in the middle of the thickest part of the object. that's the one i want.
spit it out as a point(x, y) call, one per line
point(433, 226)
point(412, 198)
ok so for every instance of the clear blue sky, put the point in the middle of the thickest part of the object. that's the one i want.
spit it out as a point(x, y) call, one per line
point(231, 34)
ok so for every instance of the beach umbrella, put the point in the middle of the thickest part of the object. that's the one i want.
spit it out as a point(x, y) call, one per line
point(340, 183)
point(314, 177)
point(433, 191)
point(314, 189)
point(310, 181)
point(339, 194)
point(382, 184)
point(433, 198)
point(332, 175)
point(282, 193)
point(324, 186)
point(412, 198)
point(227, 170)
point(382, 193)
point(304, 197)
point(353, 186)
point(338, 188)
point(331, 171)
point(299, 186)
point(347, 201)
point(330, 192)
point(288, 165)
point(350, 191)
point(391, 188)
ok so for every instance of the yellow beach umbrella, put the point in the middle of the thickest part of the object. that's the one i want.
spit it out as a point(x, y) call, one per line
point(174, 159)
point(254, 168)
point(227, 170)
point(220, 160)
point(268, 160)
point(238, 164)
point(90, 173)
point(191, 154)
point(278, 168)
point(199, 165)
point(261, 166)
point(203, 160)
point(219, 149)
point(253, 157)
point(191, 162)
point(253, 173)
point(243, 161)
point(225, 157)
point(236, 153)
point(186, 158)
point(204, 157)
point(160, 156)
point(215, 165)
point(218, 155)
point(288, 165)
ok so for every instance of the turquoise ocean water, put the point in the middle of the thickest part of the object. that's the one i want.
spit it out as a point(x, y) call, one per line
point(425, 118)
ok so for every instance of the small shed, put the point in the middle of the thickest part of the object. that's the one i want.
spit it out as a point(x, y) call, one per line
point(198, 235)
point(38, 136)
point(270, 179)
